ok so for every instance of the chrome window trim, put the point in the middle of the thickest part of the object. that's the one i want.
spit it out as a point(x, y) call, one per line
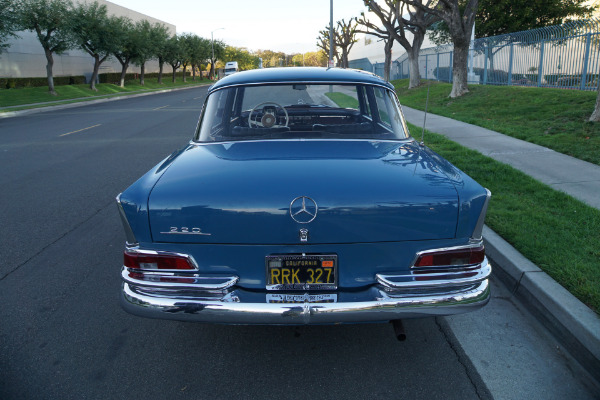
point(130, 239)
point(405, 140)
point(299, 82)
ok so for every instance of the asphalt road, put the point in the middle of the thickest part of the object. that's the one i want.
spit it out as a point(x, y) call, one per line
point(64, 336)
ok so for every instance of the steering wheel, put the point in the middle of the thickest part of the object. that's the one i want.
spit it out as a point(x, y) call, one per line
point(269, 118)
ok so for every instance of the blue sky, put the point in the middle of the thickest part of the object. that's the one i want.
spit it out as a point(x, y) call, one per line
point(279, 25)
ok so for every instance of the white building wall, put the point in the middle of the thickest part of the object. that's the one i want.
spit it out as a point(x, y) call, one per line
point(25, 57)
point(371, 47)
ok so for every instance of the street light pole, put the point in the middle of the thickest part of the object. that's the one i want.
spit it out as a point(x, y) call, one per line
point(212, 46)
point(331, 38)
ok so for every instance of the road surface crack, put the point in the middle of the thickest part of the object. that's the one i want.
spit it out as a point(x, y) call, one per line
point(480, 389)
point(56, 240)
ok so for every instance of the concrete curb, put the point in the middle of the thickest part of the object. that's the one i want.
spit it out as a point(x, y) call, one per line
point(10, 114)
point(574, 324)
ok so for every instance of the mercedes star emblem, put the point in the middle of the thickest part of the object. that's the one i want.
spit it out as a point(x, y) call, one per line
point(303, 209)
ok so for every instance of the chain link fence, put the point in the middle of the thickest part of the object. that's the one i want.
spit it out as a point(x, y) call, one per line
point(563, 56)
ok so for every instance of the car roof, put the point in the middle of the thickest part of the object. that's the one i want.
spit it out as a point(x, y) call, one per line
point(300, 75)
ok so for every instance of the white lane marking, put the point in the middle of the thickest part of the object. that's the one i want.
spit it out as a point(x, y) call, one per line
point(158, 108)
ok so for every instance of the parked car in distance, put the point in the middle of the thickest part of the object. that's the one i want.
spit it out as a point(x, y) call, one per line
point(231, 68)
point(303, 199)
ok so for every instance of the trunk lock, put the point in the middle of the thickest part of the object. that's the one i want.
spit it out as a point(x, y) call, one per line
point(303, 235)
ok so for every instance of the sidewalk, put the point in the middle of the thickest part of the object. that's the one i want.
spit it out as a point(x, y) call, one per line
point(575, 325)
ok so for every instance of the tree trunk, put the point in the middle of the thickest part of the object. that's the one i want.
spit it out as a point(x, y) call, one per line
point(212, 69)
point(491, 60)
point(387, 66)
point(124, 67)
point(49, 66)
point(160, 71)
point(413, 56)
point(174, 73)
point(414, 73)
point(184, 69)
point(344, 58)
point(142, 72)
point(595, 117)
point(95, 73)
point(459, 70)
point(193, 72)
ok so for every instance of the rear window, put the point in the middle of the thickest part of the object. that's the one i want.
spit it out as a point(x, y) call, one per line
point(295, 111)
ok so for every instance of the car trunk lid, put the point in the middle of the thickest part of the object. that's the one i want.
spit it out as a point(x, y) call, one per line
point(267, 192)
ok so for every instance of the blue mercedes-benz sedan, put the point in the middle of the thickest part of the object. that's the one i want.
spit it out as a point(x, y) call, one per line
point(303, 199)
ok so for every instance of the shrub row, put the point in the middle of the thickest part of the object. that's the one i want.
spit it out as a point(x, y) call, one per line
point(115, 77)
point(112, 77)
point(12, 83)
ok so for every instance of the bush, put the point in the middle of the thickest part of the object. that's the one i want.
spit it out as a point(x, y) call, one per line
point(443, 74)
point(560, 80)
point(17, 83)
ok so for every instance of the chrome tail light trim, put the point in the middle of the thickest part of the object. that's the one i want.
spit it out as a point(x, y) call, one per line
point(448, 276)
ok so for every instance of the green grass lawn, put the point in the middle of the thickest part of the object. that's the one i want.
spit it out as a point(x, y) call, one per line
point(342, 99)
point(554, 118)
point(555, 231)
point(67, 93)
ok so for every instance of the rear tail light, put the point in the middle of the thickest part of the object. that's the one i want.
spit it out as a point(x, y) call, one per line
point(157, 261)
point(451, 257)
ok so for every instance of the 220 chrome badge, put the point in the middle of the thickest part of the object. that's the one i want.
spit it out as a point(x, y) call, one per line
point(174, 230)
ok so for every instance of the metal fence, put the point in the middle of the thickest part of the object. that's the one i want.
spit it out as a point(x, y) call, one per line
point(564, 56)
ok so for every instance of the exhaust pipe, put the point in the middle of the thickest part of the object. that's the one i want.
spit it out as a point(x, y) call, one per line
point(398, 330)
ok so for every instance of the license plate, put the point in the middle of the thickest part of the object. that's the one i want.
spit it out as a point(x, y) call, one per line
point(302, 272)
point(301, 298)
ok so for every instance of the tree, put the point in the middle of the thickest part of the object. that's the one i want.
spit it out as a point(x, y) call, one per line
point(160, 42)
point(8, 22)
point(315, 59)
point(244, 58)
point(50, 20)
point(186, 44)
point(323, 43)
point(271, 58)
point(506, 17)
point(385, 33)
point(396, 26)
point(128, 45)
point(459, 15)
point(150, 37)
point(217, 50)
point(93, 31)
point(499, 17)
point(173, 54)
point(199, 53)
point(345, 37)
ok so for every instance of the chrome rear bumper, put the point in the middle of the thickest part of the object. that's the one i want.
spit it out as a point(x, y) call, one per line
point(377, 303)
